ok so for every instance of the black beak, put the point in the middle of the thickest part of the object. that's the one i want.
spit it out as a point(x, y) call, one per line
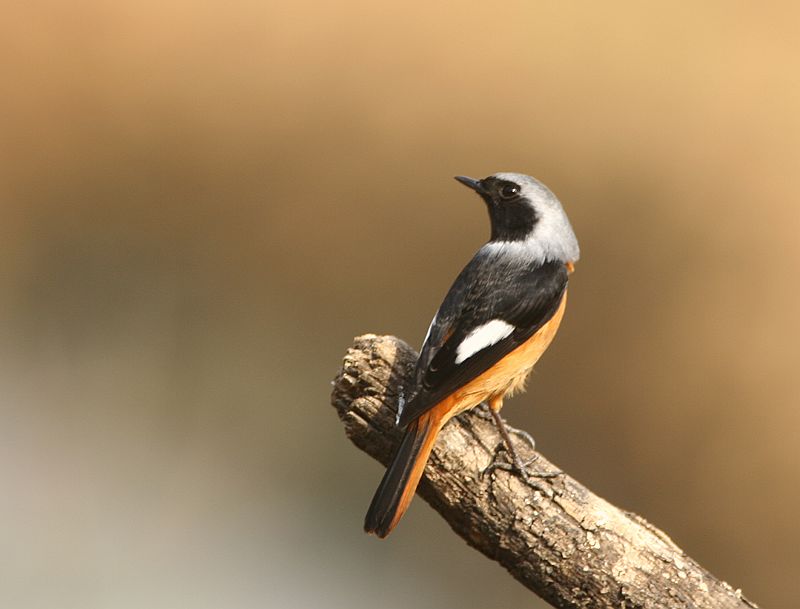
point(473, 184)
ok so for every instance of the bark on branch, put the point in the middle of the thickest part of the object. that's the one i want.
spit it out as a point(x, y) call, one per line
point(564, 543)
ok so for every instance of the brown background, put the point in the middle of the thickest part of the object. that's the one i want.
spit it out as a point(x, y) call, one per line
point(203, 203)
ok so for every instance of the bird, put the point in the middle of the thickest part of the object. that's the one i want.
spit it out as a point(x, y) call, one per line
point(497, 319)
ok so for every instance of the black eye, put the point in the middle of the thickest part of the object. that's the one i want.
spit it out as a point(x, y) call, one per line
point(509, 191)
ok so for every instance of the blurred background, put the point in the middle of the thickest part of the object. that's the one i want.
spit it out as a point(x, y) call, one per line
point(202, 204)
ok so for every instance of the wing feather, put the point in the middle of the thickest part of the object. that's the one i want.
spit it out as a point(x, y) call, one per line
point(488, 290)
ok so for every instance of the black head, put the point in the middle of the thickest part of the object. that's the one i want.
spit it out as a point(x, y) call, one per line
point(513, 216)
point(522, 209)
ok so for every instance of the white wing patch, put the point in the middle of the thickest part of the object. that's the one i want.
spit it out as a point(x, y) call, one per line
point(481, 337)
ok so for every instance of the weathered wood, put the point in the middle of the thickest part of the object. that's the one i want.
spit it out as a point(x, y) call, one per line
point(563, 542)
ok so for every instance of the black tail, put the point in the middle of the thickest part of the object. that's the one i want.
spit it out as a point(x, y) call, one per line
point(401, 478)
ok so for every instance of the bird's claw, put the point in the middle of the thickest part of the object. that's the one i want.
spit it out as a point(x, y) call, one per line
point(531, 478)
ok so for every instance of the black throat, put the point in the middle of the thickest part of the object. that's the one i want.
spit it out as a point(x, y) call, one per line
point(511, 220)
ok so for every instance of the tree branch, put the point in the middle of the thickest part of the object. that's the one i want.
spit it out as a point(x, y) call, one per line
point(564, 543)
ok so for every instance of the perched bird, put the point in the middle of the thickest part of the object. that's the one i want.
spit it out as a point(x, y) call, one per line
point(499, 316)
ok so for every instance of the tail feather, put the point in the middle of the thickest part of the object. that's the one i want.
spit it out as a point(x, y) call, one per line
point(400, 481)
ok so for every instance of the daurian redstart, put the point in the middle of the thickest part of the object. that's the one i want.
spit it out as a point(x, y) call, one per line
point(499, 316)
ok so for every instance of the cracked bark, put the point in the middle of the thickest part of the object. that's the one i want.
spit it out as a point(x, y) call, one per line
point(566, 544)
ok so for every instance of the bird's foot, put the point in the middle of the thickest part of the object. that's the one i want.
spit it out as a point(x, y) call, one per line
point(525, 436)
point(517, 465)
point(483, 411)
point(533, 478)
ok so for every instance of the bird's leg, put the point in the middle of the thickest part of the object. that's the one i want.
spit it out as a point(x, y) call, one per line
point(524, 435)
point(517, 464)
point(484, 411)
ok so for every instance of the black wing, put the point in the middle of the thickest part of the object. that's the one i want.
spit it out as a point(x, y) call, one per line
point(490, 288)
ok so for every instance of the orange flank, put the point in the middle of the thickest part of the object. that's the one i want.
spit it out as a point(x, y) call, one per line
point(509, 374)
